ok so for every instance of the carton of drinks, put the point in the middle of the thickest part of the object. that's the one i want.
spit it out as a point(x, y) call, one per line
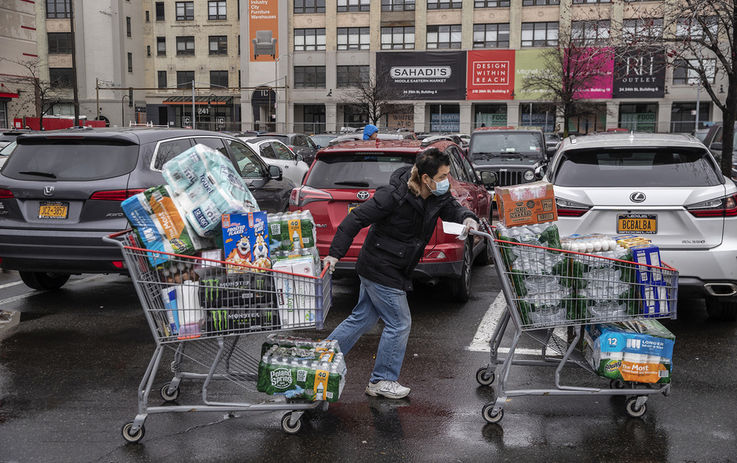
point(526, 204)
point(246, 240)
point(639, 351)
point(295, 292)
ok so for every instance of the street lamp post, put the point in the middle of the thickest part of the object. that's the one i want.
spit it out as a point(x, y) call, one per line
point(122, 110)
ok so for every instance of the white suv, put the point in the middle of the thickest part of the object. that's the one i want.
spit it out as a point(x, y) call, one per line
point(666, 187)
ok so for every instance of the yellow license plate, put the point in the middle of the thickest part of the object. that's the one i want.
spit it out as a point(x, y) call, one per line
point(637, 223)
point(49, 210)
point(352, 206)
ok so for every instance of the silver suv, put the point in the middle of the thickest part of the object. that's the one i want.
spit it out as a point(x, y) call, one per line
point(666, 187)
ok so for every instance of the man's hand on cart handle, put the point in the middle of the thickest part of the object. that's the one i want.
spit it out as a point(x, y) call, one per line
point(468, 224)
point(330, 262)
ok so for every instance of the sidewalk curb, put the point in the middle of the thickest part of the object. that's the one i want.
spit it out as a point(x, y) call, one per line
point(8, 323)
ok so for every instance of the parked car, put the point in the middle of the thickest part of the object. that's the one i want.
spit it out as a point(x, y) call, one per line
point(298, 142)
point(322, 140)
point(345, 175)
point(9, 136)
point(700, 133)
point(275, 153)
point(6, 151)
point(358, 136)
point(60, 193)
point(713, 141)
point(552, 142)
point(673, 186)
point(514, 155)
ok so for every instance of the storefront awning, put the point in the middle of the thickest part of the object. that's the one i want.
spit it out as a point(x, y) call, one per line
point(8, 95)
point(199, 100)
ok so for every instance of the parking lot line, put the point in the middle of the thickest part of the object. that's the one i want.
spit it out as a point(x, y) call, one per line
point(8, 285)
point(9, 300)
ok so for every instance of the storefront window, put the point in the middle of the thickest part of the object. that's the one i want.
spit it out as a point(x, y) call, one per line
point(445, 118)
point(683, 116)
point(641, 117)
point(538, 115)
point(490, 115)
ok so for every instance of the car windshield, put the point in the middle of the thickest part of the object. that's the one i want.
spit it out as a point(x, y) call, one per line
point(356, 170)
point(322, 140)
point(70, 159)
point(282, 138)
point(636, 167)
point(518, 145)
point(8, 149)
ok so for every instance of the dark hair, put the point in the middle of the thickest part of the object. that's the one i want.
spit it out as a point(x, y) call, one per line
point(430, 160)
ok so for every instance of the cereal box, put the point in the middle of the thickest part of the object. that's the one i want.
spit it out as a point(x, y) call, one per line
point(246, 240)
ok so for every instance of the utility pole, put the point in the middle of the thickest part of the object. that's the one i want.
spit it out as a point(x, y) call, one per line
point(194, 116)
point(97, 97)
point(74, 66)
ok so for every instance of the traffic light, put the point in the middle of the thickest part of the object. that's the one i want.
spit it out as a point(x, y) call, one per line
point(130, 97)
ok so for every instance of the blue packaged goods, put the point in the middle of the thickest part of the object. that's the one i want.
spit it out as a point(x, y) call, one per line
point(160, 224)
point(650, 280)
point(207, 186)
point(638, 351)
point(245, 240)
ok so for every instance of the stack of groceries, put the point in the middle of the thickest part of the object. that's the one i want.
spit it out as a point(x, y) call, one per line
point(251, 270)
point(554, 288)
point(301, 368)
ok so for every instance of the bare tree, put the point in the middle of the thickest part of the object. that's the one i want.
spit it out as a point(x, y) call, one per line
point(568, 71)
point(700, 36)
point(374, 98)
point(45, 93)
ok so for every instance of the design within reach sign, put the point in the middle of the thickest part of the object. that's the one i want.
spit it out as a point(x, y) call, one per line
point(424, 75)
point(490, 74)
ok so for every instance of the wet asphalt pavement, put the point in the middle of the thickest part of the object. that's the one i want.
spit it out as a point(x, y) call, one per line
point(70, 371)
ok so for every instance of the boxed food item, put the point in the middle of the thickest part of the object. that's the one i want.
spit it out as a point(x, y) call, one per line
point(160, 224)
point(295, 295)
point(526, 204)
point(311, 374)
point(207, 186)
point(638, 351)
point(245, 240)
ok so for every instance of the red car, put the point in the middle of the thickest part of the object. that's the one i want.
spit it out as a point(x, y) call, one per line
point(343, 176)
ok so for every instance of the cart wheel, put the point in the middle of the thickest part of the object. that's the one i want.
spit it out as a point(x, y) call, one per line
point(616, 384)
point(483, 377)
point(632, 411)
point(488, 413)
point(132, 437)
point(288, 428)
point(169, 396)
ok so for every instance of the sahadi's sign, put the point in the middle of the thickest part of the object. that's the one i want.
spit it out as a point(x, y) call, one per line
point(421, 75)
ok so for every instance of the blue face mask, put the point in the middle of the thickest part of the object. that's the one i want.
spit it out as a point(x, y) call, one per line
point(441, 187)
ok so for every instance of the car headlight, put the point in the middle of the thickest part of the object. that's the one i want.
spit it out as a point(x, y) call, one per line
point(529, 175)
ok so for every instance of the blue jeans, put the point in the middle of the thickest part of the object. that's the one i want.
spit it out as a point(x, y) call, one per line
point(376, 302)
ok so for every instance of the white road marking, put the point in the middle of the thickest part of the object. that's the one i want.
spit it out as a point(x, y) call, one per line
point(9, 300)
point(8, 285)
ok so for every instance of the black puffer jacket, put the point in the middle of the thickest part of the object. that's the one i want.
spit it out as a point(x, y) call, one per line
point(402, 224)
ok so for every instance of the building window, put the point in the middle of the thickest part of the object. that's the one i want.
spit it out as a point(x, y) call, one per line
point(185, 79)
point(353, 38)
point(683, 74)
point(148, 50)
point(693, 27)
point(185, 45)
point(683, 116)
point(160, 11)
point(397, 5)
point(398, 38)
point(548, 2)
point(60, 77)
point(309, 39)
point(352, 76)
point(444, 37)
point(130, 62)
point(239, 45)
point(185, 11)
point(218, 44)
point(490, 3)
point(148, 16)
point(57, 8)
point(591, 1)
point(60, 43)
point(590, 33)
point(544, 34)
point(309, 76)
point(160, 46)
point(309, 6)
point(443, 4)
point(128, 26)
point(161, 80)
point(216, 10)
point(353, 5)
point(491, 35)
point(218, 79)
point(642, 27)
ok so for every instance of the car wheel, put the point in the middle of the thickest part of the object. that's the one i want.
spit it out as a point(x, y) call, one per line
point(722, 309)
point(45, 281)
point(460, 288)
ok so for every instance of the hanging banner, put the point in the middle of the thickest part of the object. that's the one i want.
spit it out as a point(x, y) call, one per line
point(593, 67)
point(422, 75)
point(639, 73)
point(526, 63)
point(263, 26)
point(490, 75)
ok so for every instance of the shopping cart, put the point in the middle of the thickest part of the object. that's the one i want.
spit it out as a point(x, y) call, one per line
point(200, 309)
point(551, 295)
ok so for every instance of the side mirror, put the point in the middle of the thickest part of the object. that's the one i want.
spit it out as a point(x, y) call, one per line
point(299, 157)
point(275, 173)
point(716, 146)
point(540, 171)
point(488, 178)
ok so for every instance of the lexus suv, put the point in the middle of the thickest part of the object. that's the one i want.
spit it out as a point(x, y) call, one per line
point(60, 193)
point(345, 175)
point(673, 186)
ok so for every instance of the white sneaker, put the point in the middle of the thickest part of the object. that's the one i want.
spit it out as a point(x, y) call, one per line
point(388, 389)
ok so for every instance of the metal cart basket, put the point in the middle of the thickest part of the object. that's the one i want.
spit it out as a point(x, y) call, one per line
point(200, 309)
point(551, 295)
